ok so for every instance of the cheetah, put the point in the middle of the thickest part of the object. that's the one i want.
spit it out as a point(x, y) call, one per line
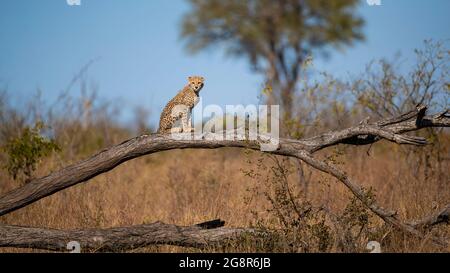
point(180, 107)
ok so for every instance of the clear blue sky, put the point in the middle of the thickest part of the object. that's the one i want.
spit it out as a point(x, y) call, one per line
point(142, 61)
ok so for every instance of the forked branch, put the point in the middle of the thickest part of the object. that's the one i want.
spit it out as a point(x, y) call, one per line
point(391, 129)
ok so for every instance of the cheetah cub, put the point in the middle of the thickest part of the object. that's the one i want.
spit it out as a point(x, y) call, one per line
point(180, 107)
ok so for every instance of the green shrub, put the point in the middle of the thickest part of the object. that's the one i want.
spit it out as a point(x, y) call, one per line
point(26, 151)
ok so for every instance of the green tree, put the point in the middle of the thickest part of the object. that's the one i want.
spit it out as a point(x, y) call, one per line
point(275, 36)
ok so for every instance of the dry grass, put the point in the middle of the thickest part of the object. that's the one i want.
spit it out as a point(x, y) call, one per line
point(190, 186)
point(245, 188)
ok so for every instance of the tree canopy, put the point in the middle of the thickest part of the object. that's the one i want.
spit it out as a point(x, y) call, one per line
point(275, 36)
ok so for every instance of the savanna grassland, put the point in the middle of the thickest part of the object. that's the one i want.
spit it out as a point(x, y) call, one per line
point(305, 210)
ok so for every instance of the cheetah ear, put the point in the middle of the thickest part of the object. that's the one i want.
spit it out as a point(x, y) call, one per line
point(190, 79)
point(202, 79)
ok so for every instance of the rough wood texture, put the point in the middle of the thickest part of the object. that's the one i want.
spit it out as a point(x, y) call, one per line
point(121, 238)
point(389, 217)
point(365, 133)
point(441, 217)
point(110, 158)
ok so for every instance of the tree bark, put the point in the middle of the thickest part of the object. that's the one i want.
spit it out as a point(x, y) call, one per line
point(390, 129)
point(121, 239)
point(441, 217)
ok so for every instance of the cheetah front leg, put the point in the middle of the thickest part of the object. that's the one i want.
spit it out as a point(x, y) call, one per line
point(190, 122)
point(186, 122)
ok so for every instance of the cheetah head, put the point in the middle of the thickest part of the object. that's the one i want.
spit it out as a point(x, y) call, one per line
point(196, 83)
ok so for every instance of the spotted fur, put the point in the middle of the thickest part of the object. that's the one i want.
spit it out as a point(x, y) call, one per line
point(180, 107)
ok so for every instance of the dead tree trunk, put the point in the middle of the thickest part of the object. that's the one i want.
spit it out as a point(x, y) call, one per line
point(391, 129)
point(122, 238)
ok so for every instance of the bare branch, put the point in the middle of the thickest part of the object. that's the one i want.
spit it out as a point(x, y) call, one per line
point(389, 129)
point(389, 217)
point(121, 238)
point(442, 216)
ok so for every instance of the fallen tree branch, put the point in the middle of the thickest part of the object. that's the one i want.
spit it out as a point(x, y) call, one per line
point(110, 158)
point(441, 217)
point(389, 129)
point(123, 238)
point(389, 217)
